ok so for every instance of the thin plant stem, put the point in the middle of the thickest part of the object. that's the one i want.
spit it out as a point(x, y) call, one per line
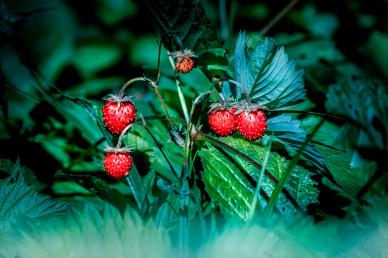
point(128, 83)
point(197, 100)
point(123, 133)
point(242, 89)
point(180, 93)
point(161, 99)
point(260, 181)
point(183, 223)
point(278, 17)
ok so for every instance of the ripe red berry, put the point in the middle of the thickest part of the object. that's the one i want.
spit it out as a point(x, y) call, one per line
point(184, 65)
point(251, 125)
point(117, 164)
point(222, 122)
point(118, 114)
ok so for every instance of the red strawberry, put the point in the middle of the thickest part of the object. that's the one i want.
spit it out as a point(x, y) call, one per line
point(184, 61)
point(222, 122)
point(251, 124)
point(118, 114)
point(118, 164)
point(184, 65)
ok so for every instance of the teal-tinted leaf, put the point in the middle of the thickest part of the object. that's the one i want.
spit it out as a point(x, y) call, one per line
point(88, 233)
point(19, 202)
point(312, 52)
point(267, 74)
point(289, 133)
point(365, 103)
point(15, 169)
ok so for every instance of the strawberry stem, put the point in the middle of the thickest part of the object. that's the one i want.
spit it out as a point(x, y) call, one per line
point(179, 89)
point(129, 82)
point(124, 132)
point(242, 89)
point(197, 100)
point(160, 97)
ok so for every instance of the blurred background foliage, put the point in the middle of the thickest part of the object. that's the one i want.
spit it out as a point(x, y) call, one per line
point(60, 58)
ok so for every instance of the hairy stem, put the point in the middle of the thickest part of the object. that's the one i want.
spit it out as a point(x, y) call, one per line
point(123, 133)
point(129, 82)
point(242, 89)
point(161, 99)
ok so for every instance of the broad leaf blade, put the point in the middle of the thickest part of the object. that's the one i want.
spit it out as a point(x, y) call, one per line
point(230, 179)
point(289, 133)
point(19, 201)
point(365, 103)
point(266, 73)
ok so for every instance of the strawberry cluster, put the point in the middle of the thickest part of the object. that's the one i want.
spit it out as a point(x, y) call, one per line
point(248, 119)
point(118, 114)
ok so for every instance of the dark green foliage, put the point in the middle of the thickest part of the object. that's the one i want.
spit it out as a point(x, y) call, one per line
point(231, 180)
point(310, 67)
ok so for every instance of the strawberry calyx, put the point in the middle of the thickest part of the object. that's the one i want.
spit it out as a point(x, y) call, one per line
point(248, 107)
point(184, 60)
point(109, 149)
point(117, 98)
point(222, 106)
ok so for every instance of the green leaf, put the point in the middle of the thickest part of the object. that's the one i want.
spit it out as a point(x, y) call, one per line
point(92, 58)
point(15, 169)
point(290, 135)
point(226, 184)
point(182, 24)
point(19, 202)
point(89, 233)
point(365, 103)
point(266, 73)
point(230, 179)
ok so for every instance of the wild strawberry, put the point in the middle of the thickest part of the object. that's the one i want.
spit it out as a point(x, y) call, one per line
point(222, 122)
point(251, 124)
point(118, 113)
point(184, 61)
point(118, 163)
point(185, 65)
